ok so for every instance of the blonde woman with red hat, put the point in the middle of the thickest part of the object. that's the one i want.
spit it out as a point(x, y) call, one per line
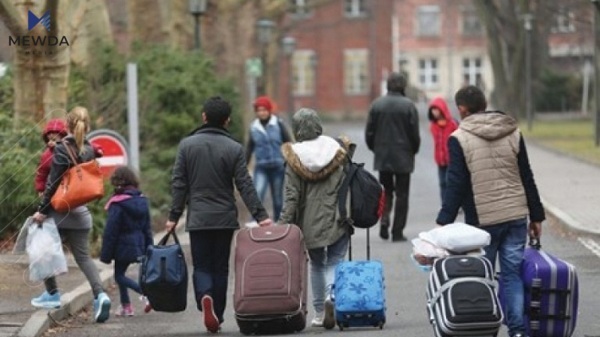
point(266, 135)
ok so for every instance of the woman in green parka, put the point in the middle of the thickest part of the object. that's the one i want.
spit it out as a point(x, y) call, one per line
point(313, 176)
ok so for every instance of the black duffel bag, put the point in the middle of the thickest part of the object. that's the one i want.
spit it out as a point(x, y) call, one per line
point(164, 276)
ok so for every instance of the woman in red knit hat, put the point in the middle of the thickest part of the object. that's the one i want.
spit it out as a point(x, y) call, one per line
point(267, 134)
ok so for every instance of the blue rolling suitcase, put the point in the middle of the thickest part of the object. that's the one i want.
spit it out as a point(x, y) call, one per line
point(551, 293)
point(359, 292)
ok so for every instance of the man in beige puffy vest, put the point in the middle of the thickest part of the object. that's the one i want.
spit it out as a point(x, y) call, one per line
point(490, 178)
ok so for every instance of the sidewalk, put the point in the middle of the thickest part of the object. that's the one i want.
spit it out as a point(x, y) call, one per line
point(18, 318)
point(569, 188)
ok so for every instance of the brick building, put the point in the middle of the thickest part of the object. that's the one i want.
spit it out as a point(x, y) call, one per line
point(346, 48)
point(343, 50)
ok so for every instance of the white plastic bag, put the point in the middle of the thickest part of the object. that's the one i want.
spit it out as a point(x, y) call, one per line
point(21, 243)
point(457, 237)
point(44, 248)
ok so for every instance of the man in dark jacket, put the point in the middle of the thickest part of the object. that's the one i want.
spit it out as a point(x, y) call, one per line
point(209, 162)
point(392, 133)
point(490, 178)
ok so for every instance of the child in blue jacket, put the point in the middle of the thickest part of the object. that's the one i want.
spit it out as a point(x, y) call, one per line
point(127, 233)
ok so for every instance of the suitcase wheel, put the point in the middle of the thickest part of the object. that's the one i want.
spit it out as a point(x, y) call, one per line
point(381, 325)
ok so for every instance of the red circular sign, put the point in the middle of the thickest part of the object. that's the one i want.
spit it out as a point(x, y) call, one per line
point(114, 152)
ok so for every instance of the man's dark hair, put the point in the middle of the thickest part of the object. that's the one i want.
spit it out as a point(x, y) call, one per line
point(396, 82)
point(217, 111)
point(472, 98)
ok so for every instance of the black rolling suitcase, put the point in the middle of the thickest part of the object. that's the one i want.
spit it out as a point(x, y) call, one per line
point(164, 277)
point(461, 297)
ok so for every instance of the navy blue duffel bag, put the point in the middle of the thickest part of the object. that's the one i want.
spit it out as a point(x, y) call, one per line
point(164, 276)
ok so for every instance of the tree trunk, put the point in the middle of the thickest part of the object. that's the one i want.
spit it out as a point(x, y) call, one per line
point(42, 71)
point(503, 22)
point(145, 21)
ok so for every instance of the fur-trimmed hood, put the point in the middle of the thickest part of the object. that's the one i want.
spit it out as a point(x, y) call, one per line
point(315, 159)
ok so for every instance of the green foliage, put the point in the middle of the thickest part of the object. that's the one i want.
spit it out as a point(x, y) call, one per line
point(20, 151)
point(172, 86)
point(6, 92)
point(558, 92)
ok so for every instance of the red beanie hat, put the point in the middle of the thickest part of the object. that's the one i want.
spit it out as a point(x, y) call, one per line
point(263, 101)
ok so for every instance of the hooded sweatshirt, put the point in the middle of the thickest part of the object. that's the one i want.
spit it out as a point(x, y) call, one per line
point(43, 169)
point(441, 130)
point(489, 173)
point(314, 174)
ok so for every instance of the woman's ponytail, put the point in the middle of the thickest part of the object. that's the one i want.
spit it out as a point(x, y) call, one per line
point(78, 121)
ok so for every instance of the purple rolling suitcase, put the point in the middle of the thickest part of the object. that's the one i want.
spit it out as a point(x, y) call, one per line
point(551, 293)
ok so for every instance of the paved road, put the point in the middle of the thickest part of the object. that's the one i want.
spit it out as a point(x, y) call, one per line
point(406, 315)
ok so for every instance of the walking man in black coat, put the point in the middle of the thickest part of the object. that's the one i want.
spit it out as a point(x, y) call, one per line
point(209, 164)
point(392, 133)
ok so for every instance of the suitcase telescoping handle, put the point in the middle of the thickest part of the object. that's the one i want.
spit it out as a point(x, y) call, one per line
point(368, 246)
point(165, 238)
point(535, 243)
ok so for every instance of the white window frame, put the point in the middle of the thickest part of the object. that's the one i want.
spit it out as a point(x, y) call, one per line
point(355, 8)
point(303, 72)
point(429, 72)
point(356, 71)
point(470, 19)
point(472, 72)
point(301, 8)
point(428, 29)
point(564, 22)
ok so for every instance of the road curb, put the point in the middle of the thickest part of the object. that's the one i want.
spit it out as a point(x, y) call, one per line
point(72, 302)
point(565, 219)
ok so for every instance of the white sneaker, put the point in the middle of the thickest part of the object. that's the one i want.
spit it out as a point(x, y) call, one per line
point(329, 316)
point(317, 322)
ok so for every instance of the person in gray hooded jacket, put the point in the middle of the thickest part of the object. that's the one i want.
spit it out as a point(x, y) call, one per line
point(313, 176)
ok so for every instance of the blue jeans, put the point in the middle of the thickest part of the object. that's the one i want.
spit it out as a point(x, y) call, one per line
point(125, 282)
point(210, 256)
point(273, 177)
point(508, 244)
point(323, 261)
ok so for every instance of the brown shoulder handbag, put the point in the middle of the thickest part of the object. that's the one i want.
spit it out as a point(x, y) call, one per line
point(80, 184)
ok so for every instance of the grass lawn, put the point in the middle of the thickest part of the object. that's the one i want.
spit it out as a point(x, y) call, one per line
point(574, 137)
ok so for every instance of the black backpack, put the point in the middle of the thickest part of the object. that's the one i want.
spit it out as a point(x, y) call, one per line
point(367, 197)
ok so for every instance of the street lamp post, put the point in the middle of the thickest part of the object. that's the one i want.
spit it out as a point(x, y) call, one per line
point(288, 44)
point(197, 8)
point(597, 71)
point(314, 63)
point(528, 99)
point(264, 29)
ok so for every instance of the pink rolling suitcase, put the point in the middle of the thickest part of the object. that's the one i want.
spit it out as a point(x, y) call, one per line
point(270, 280)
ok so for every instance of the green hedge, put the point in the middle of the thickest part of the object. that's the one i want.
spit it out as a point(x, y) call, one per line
point(172, 86)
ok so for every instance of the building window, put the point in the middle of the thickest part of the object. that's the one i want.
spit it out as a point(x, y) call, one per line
point(428, 20)
point(428, 73)
point(564, 22)
point(354, 8)
point(303, 72)
point(472, 72)
point(356, 70)
point(301, 8)
point(471, 25)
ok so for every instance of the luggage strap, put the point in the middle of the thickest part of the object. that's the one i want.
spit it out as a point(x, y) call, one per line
point(452, 282)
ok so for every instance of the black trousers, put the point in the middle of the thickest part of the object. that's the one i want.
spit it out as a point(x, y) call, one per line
point(210, 255)
point(395, 184)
